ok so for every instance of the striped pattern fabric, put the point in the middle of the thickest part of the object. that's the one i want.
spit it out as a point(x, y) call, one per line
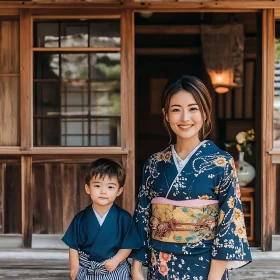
point(91, 270)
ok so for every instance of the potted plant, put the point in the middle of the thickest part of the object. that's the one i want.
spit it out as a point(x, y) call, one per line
point(244, 143)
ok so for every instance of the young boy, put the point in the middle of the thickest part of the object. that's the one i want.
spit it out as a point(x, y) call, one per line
point(101, 237)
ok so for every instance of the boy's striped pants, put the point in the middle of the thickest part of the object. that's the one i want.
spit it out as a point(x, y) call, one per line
point(91, 270)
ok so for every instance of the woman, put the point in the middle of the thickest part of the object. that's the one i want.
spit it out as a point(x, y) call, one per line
point(189, 212)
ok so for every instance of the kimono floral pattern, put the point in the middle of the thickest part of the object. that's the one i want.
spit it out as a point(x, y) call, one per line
point(209, 174)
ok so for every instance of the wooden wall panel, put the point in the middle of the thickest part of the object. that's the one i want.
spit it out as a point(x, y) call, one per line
point(84, 198)
point(69, 193)
point(9, 47)
point(12, 208)
point(40, 210)
point(9, 111)
point(9, 83)
point(54, 187)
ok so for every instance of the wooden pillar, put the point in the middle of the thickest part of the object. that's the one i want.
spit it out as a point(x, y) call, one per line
point(268, 169)
point(26, 200)
point(26, 126)
point(128, 106)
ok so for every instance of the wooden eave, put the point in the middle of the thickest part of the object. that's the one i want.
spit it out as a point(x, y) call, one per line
point(161, 6)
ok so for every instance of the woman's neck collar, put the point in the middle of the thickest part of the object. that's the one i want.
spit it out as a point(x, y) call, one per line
point(186, 146)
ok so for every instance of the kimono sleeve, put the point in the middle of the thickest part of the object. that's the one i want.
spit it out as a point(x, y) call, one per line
point(142, 216)
point(131, 238)
point(230, 242)
point(70, 237)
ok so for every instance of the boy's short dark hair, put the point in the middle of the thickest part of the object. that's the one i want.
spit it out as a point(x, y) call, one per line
point(103, 167)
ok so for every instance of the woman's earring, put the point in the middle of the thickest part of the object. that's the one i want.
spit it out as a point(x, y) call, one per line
point(167, 120)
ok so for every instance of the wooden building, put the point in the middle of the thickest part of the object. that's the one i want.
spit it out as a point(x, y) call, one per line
point(81, 79)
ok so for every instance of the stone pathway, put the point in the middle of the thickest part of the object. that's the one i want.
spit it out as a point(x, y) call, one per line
point(58, 270)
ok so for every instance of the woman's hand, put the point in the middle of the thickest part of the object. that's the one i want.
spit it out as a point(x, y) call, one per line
point(136, 270)
point(217, 269)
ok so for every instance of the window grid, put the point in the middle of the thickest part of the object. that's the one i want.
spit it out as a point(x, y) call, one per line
point(67, 119)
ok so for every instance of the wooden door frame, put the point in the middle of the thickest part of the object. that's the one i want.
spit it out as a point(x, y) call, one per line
point(268, 169)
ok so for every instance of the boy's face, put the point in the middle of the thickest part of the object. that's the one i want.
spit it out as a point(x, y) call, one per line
point(103, 192)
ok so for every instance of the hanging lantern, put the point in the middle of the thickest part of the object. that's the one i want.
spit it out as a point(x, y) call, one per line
point(221, 81)
point(223, 51)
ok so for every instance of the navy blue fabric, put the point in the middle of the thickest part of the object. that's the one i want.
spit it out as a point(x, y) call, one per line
point(209, 174)
point(118, 231)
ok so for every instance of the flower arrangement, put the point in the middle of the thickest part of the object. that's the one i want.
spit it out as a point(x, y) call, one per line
point(244, 141)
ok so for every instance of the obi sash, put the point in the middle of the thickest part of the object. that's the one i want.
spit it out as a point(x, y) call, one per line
point(185, 221)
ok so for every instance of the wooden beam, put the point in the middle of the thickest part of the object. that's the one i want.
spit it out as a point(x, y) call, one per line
point(68, 14)
point(268, 168)
point(2, 197)
point(168, 29)
point(179, 51)
point(26, 201)
point(167, 51)
point(25, 80)
point(9, 12)
point(76, 49)
point(277, 13)
point(128, 106)
point(198, 5)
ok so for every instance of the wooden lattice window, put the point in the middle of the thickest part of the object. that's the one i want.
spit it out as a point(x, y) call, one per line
point(76, 88)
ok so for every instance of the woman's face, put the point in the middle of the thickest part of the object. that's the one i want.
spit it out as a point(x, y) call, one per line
point(184, 116)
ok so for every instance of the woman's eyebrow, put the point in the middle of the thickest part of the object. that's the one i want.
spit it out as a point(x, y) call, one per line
point(181, 105)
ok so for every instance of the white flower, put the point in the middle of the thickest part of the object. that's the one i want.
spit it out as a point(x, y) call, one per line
point(241, 137)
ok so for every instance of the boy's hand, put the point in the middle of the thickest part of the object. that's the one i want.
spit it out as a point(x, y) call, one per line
point(137, 275)
point(111, 264)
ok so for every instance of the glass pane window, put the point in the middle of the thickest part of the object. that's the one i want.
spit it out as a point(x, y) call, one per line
point(80, 33)
point(105, 34)
point(76, 95)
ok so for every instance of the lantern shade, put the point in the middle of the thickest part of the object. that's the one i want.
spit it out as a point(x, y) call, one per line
point(222, 81)
point(223, 48)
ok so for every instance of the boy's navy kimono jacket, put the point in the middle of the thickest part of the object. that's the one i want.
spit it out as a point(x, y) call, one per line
point(118, 231)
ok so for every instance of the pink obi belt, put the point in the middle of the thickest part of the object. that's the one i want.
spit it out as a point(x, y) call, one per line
point(184, 221)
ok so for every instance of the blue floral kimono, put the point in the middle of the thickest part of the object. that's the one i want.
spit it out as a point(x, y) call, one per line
point(181, 241)
point(96, 243)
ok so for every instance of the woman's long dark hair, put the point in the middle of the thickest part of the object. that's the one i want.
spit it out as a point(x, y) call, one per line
point(201, 95)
